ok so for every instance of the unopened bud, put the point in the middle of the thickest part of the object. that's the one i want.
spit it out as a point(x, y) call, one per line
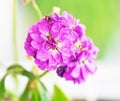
point(56, 10)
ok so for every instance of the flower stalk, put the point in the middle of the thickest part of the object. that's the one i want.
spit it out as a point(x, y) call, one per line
point(44, 73)
point(37, 8)
point(15, 48)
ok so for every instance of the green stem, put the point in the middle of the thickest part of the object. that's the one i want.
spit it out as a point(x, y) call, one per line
point(37, 78)
point(42, 74)
point(15, 33)
point(37, 8)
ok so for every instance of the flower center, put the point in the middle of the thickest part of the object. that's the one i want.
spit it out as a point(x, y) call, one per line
point(51, 41)
point(77, 44)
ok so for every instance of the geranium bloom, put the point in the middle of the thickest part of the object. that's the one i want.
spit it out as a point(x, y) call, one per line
point(59, 43)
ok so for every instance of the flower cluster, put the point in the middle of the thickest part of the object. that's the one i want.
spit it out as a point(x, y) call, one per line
point(59, 43)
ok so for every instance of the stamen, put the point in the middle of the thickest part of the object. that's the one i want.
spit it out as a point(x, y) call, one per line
point(77, 44)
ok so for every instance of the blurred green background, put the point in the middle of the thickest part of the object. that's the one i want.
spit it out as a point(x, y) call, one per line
point(100, 17)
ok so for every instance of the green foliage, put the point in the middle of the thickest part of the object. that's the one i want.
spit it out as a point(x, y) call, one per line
point(18, 69)
point(59, 95)
point(15, 68)
point(35, 90)
point(25, 94)
point(2, 88)
point(43, 91)
point(11, 96)
point(36, 95)
point(28, 74)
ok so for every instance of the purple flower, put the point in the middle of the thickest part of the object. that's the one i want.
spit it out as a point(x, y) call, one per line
point(82, 64)
point(59, 43)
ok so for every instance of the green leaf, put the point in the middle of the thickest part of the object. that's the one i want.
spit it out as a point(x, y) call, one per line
point(43, 91)
point(38, 93)
point(58, 95)
point(30, 75)
point(18, 69)
point(43, 86)
point(11, 96)
point(15, 68)
point(35, 95)
point(2, 87)
point(15, 78)
point(25, 94)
